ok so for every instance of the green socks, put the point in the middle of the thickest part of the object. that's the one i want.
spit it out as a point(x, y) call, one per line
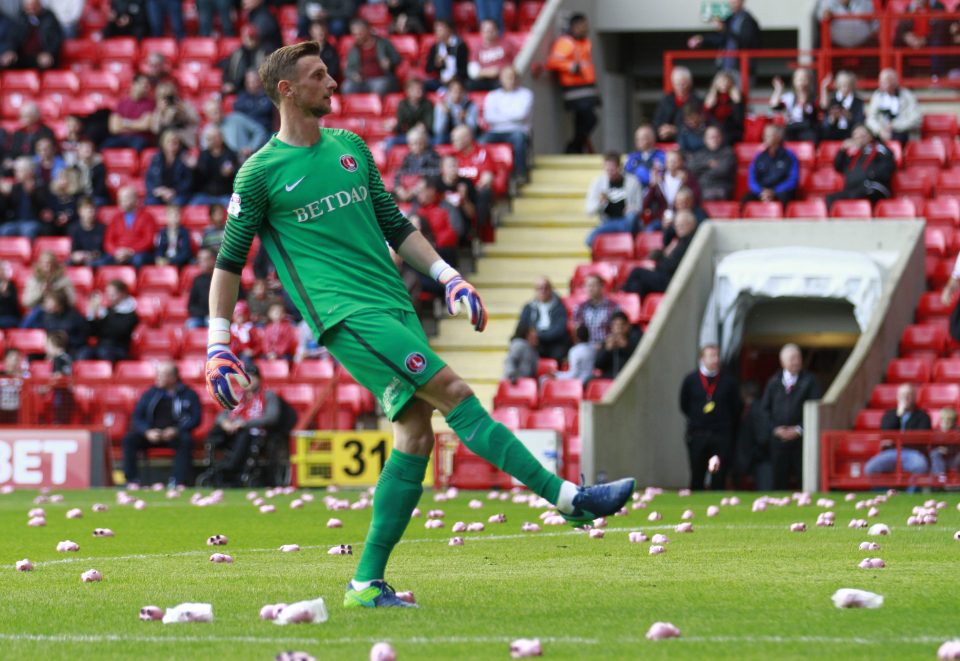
point(397, 494)
point(492, 441)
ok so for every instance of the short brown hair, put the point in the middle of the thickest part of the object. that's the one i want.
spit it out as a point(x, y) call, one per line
point(279, 65)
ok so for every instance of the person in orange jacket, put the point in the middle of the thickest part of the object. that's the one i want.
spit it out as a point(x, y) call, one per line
point(571, 58)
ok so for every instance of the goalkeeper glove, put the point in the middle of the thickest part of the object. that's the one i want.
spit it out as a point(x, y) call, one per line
point(460, 291)
point(226, 377)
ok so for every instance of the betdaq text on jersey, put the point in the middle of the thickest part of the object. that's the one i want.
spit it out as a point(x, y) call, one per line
point(331, 203)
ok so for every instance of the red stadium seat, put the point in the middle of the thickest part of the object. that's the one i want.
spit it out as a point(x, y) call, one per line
point(547, 367)
point(288, 16)
point(192, 370)
point(868, 419)
point(79, 54)
point(30, 341)
point(93, 370)
point(946, 370)
point(816, 209)
point(313, 371)
point(613, 247)
point(527, 12)
point(884, 396)
point(166, 46)
point(15, 249)
point(561, 392)
point(103, 82)
point(273, 371)
point(362, 105)
point(851, 209)
point(650, 304)
point(511, 417)
point(606, 271)
point(355, 397)
point(938, 395)
point(597, 388)
point(198, 52)
point(26, 82)
point(805, 151)
point(948, 181)
point(194, 342)
point(124, 161)
point(931, 306)
point(175, 310)
point(763, 210)
point(939, 125)
point(60, 246)
point(155, 343)
point(898, 208)
point(936, 241)
point(908, 370)
point(119, 49)
point(522, 393)
point(150, 310)
point(938, 271)
point(126, 274)
point(943, 210)
point(60, 81)
point(630, 305)
point(721, 209)
point(827, 152)
point(81, 277)
point(554, 419)
point(923, 338)
point(377, 15)
point(912, 182)
point(647, 242)
point(926, 152)
point(465, 17)
point(746, 151)
point(823, 182)
point(158, 279)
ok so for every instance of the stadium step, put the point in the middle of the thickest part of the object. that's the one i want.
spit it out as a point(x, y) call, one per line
point(512, 272)
point(578, 178)
point(569, 162)
point(557, 191)
point(456, 334)
point(547, 206)
point(465, 364)
point(539, 250)
point(579, 220)
point(561, 237)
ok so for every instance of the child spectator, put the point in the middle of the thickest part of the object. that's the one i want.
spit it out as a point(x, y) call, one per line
point(614, 196)
point(11, 386)
point(522, 356)
point(173, 241)
point(9, 303)
point(112, 322)
point(60, 373)
point(213, 234)
point(198, 303)
point(47, 276)
point(259, 301)
point(86, 236)
point(243, 334)
point(581, 359)
point(279, 338)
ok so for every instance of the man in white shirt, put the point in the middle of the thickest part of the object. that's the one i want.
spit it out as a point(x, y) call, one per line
point(616, 196)
point(508, 112)
point(893, 113)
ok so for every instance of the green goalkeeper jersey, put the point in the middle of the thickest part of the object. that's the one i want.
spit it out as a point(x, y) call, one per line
point(325, 219)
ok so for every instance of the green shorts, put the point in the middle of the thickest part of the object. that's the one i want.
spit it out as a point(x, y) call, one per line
point(387, 352)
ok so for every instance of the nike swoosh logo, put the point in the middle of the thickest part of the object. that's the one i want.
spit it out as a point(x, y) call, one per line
point(469, 439)
point(290, 187)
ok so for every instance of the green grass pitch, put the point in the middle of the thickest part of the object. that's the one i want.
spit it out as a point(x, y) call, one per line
point(741, 586)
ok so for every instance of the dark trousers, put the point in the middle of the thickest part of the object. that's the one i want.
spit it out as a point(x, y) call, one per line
point(182, 444)
point(784, 197)
point(645, 281)
point(701, 445)
point(236, 446)
point(584, 121)
point(787, 460)
point(557, 349)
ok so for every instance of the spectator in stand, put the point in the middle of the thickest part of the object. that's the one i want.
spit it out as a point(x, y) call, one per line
point(685, 200)
point(414, 110)
point(32, 130)
point(616, 197)
point(279, 337)
point(407, 16)
point(56, 314)
point(248, 57)
point(581, 359)
point(867, 166)
point(205, 13)
point(92, 174)
point(798, 105)
point(112, 319)
point(666, 262)
point(260, 300)
point(318, 32)
point(848, 32)
point(906, 417)
point(459, 191)
point(49, 163)
point(24, 202)
point(126, 18)
point(447, 57)
point(371, 62)
point(173, 241)
point(781, 410)
point(61, 369)
point(595, 312)
point(258, 14)
point(252, 102)
point(647, 157)
point(39, 38)
point(198, 302)
point(165, 416)
point(72, 137)
point(710, 401)
point(86, 235)
point(11, 385)
point(172, 113)
point(723, 106)
point(893, 112)
point(244, 340)
point(572, 59)
point(68, 13)
point(9, 301)
point(216, 167)
point(522, 357)
point(660, 200)
point(337, 13)
point(421, 162)
point(739, 31)
point(487, 61)
point(169, 179)
point(843, 109)
point(508, 112)
point(617, 347)
point(921, 31)
point(690, 137)
point(547, 315)
point(47, 276)
point(714, 167)
point(159, 12)
point(61, 203)
point(213, 234)
point(241, 134)
point(130, 233)
point(454, 108)
point(475, 164)
point(444, 221)
point(131, 124)
point(775, 171)
point(668, 115)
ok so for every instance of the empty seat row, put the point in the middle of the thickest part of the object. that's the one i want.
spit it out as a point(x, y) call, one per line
point(568, 393)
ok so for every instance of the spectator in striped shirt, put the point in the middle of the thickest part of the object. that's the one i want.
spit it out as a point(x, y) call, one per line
point(595, 312)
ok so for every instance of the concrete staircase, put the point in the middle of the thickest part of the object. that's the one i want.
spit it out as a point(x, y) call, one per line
point(542, 235)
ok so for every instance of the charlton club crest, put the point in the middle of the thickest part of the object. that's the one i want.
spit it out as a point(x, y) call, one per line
point(415, 363)
point(348, 162)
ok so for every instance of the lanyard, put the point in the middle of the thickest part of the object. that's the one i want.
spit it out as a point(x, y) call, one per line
point(710, 388)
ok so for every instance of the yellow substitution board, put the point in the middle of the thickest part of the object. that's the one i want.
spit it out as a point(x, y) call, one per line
point(344, 458)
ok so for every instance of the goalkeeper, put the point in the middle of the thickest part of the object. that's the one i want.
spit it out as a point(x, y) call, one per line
point(317, 202)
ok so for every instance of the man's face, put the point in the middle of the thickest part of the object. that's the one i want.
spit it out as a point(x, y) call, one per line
point(713, 138)
point(449, 167)
point(772, 137)
point(542, 290)
point(127, 198)
point(684, 224)
point(312, 87)
point(790, 360)
point(736, 5)
point(489, 32)
point(252, 83)
point(684, 200)
point(594, 288)
point(674, 161)
point(44, 148)
point(427, 195)
point(418, 142)
point(888, 81)
point(415, 92)
point(579, 29)
point(51, 305)
point(461, 138)
point(861, 136)
point(620, 327)
point(711, 359)
point(508, 78)
point(139, 88)
point(906, 397)
point(205, 261)
point(112, 294)
point(681, 82)
point(359, 32)
point(11, 362)
point(166, 375)
point(644, 138)
point(611, 168)
point(441, 31)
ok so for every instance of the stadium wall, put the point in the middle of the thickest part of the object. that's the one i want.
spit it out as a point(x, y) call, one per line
point(638, 430)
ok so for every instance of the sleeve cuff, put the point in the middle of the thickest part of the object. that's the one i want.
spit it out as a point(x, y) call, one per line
point(398, 237)
point(229, 265)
